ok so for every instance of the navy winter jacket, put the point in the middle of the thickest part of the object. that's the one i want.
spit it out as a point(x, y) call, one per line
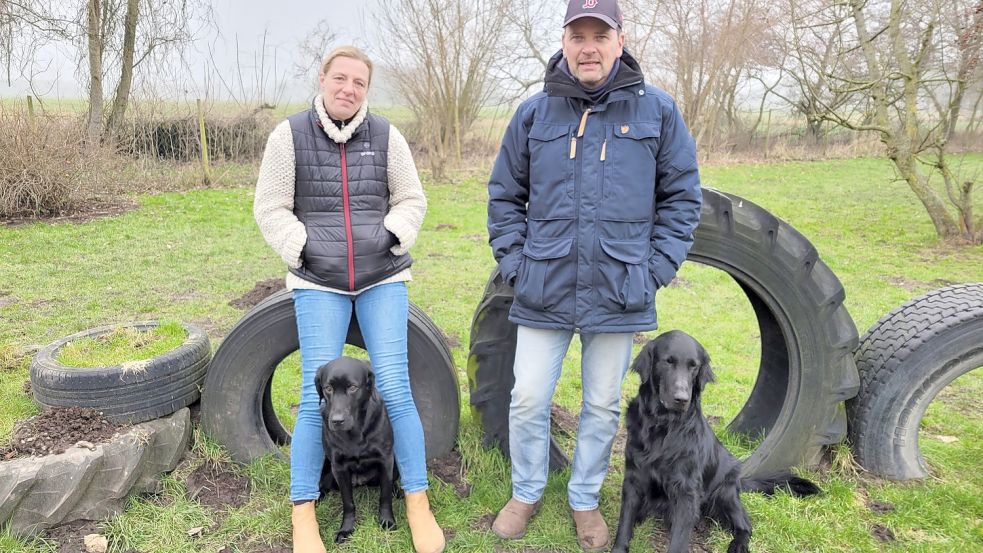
point(592, 206)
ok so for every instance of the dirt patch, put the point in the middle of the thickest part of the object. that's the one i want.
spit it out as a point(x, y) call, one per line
point(679, 282)
point(452, 340)
point(962, 399)
point(563, 421)
point(55, 430)
point(484, 523)
point(883, 533)
point(6, 298)
point(906, 284)
point(85, 212)
point(879, 507)
point(68, 538)
point(640, 338)
point(444, 226)
point(448, 468)
point(620, 442)
point(260, 292)
point(217, 486)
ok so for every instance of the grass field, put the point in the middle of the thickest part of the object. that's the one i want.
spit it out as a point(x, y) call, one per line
point(184, 256)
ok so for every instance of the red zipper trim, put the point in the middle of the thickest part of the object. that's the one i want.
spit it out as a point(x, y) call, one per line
point(348, 220)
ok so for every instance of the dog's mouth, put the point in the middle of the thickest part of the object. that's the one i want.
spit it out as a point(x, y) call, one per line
point(674, 405)
point(340, 426)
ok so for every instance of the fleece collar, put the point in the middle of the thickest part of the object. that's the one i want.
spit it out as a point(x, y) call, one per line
point(341, 135)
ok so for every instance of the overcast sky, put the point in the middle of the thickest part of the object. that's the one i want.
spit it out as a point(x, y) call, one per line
point(285, 22)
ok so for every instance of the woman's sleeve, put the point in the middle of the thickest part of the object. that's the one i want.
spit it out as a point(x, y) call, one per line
point(407, 204)
point(273, 205)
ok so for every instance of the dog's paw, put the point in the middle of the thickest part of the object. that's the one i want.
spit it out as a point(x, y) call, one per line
point(387, 522)
point(738, 547)
point(343, 535)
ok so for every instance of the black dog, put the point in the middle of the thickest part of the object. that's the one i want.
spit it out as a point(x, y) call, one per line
point(674, 465)
point(358, 439)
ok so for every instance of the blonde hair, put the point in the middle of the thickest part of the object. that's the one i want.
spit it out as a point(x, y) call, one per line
point(346, 52)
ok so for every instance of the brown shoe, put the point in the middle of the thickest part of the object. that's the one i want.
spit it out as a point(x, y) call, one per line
point(513, 520)
point(592, 531)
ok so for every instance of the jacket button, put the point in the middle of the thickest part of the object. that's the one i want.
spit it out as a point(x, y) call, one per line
point(641, 93)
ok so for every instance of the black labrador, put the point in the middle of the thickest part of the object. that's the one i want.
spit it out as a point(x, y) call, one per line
point(675, 467)
point(358, 439)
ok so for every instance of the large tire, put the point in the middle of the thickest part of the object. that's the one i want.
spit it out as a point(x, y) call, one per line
point(807, 337)
point(904, 361)
point(124, 395)
point(81, 484)
point(236, 408)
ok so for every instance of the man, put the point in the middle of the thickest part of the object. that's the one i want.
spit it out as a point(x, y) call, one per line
point(592, 205)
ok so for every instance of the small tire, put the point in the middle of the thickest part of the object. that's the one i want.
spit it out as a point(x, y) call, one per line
point(807, 337)
point(125, 395)
point(905, 360)
point(236, 408)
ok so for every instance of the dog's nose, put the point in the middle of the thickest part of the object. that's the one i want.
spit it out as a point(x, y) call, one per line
point(337, 419)
point(680, 396)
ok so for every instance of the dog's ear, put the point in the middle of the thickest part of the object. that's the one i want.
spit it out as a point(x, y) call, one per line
point(370, 378)
point(705, 375)
point(645, 361)
point(317, 385)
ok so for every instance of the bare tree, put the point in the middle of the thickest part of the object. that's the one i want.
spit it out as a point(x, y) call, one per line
point(701, 52)
point(905, 77)
point(442, 54)
point(312, 49)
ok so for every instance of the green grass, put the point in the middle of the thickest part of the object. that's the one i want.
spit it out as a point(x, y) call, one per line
point(122, 345)
point(184, 256)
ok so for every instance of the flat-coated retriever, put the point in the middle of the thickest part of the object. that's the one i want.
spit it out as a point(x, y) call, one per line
point(675, 467)
point(358, 439)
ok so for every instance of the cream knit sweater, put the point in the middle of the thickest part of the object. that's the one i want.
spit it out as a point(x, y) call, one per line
point(273, 206)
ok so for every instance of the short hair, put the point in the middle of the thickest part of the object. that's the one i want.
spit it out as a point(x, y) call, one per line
point(346, 52)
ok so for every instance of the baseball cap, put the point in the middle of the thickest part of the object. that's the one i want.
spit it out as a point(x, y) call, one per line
point(607, 11)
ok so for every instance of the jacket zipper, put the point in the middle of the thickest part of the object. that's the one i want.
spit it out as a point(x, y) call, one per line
point(348, 220)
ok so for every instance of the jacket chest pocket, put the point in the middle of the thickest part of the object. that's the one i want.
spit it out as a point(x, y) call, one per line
point(629, 169)
point(624, 282)
point(550, 171)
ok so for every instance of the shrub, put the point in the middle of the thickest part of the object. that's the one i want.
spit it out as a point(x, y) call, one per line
point(45, 166)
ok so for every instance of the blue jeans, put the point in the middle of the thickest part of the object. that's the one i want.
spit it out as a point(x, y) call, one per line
point(538, 360)
point(322, 326)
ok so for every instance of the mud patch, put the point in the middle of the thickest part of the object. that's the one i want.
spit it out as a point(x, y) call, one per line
point(216, 486)
point(882, 533)
point(444, 226)
point(906, 284)
point(484, 523)
point(260, 292)
point(620, 442)
point(450, 471)
point(563, 421)
point(452, 340)
point(879, 507)
point(69, 537)
point(55, 430)
point(640, 338)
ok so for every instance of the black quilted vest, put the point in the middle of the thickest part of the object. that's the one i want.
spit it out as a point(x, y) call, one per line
point(341, 194)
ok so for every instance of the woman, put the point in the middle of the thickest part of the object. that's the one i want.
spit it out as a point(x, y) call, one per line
point(339, 199)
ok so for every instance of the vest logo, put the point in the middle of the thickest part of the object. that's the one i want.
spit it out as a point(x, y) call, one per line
point(590, 4)
point(363, 154)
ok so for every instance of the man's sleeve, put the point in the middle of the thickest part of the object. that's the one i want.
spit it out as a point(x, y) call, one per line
point(508, 192)
point(677, 197)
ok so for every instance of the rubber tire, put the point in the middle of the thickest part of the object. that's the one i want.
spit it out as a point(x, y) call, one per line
point(42, 492)
point(807, 368)
point(905, 360)
point(238, 384)
point(169, 381)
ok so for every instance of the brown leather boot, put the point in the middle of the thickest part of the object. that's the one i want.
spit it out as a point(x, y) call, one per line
point(427, 535)
point(592, 531)
point(307, 536)
point(513, 520)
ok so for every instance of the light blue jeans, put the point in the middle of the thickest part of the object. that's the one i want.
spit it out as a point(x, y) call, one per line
point(322, 326)
point(539, 357)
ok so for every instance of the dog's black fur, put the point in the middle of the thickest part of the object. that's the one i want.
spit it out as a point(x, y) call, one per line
point(358, 439)
point(675, 467)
